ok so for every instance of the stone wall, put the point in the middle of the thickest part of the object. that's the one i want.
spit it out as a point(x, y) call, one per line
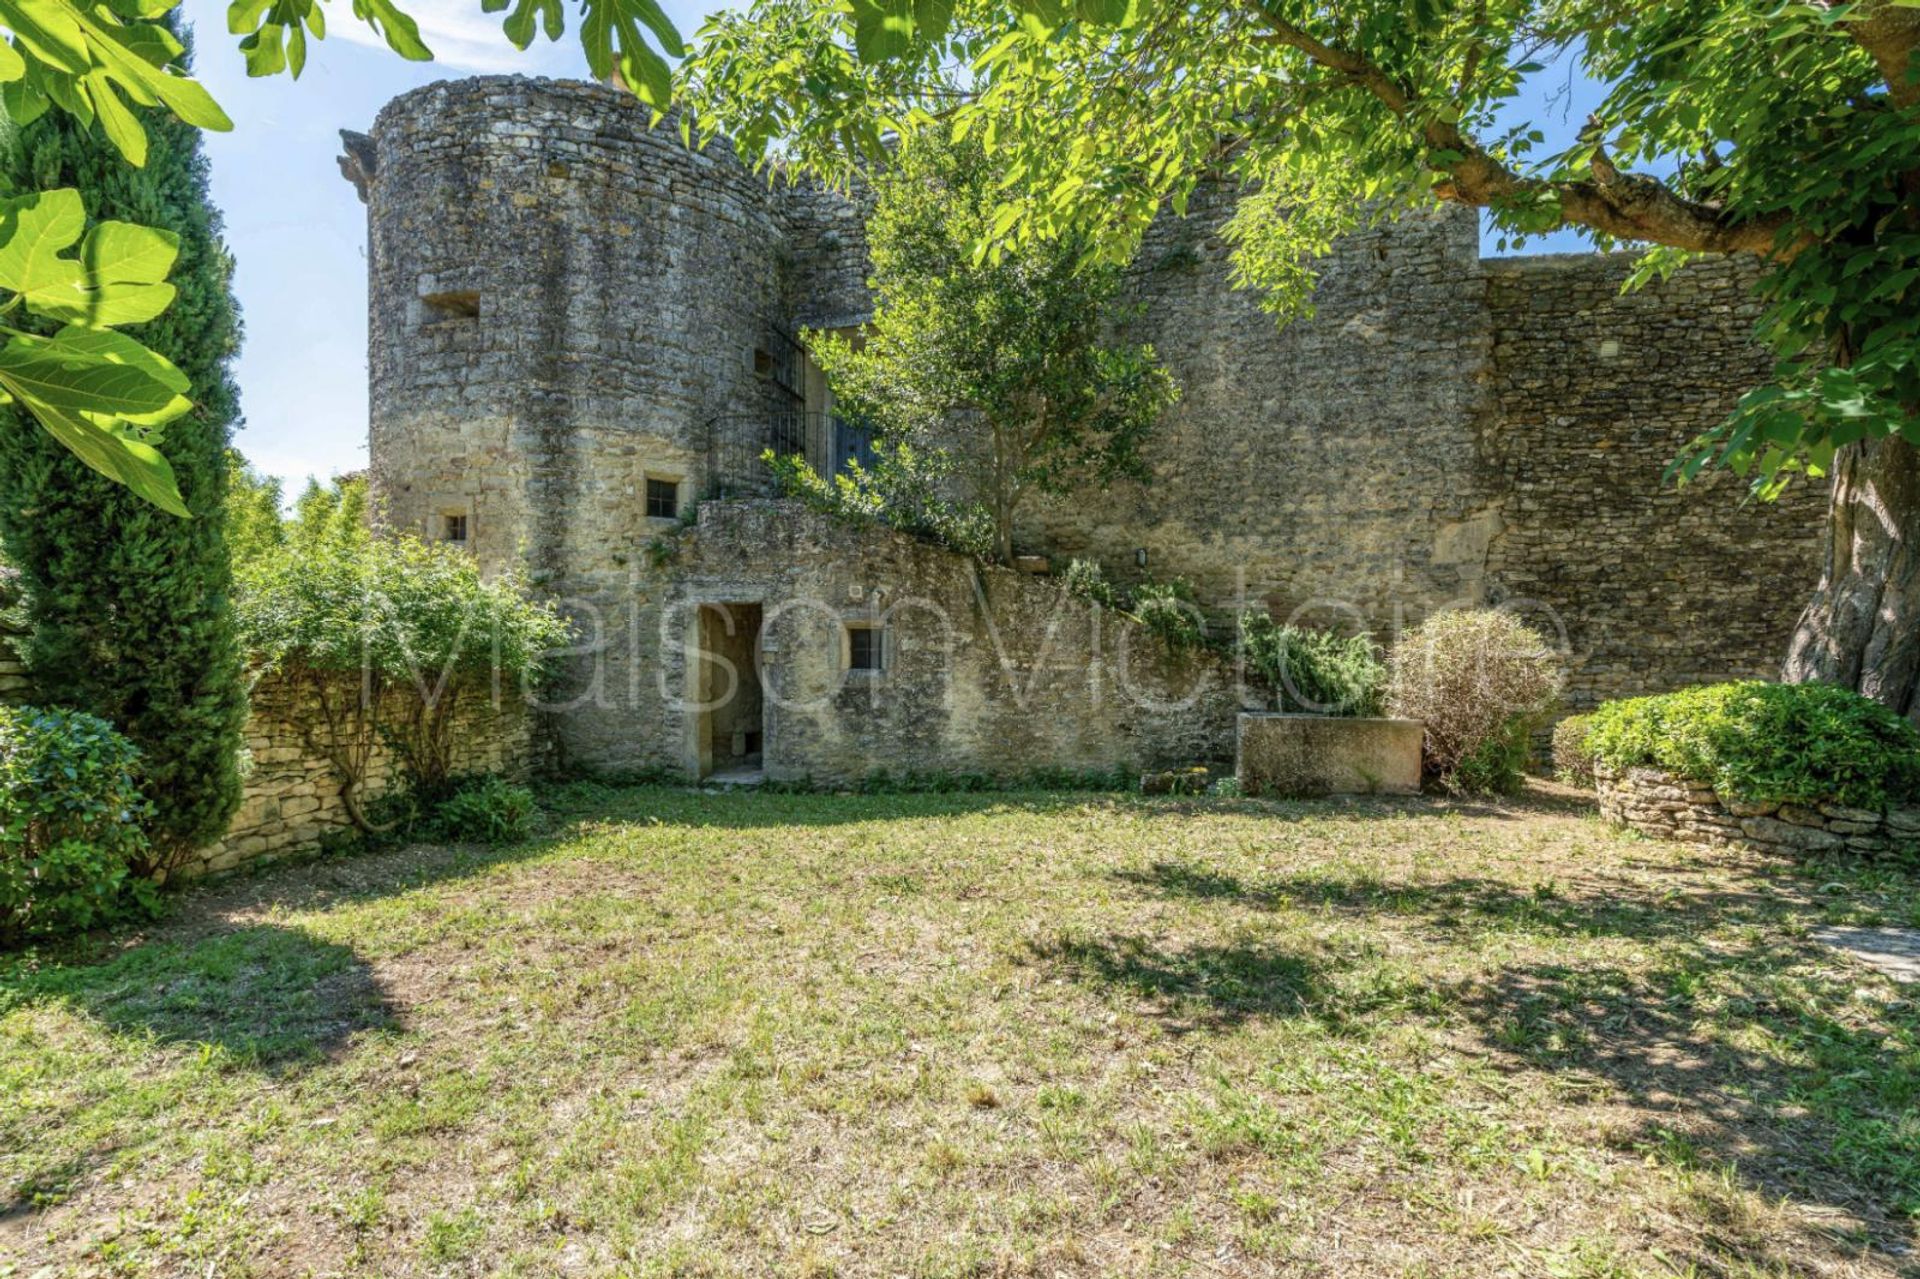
point(562, 299)
point(1663, 806)
point(292, 799)
point(1657, 588)
point(985, 670)
point(1329, 469)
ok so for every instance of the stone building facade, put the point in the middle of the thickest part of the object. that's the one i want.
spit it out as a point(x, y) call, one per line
point(579, 329)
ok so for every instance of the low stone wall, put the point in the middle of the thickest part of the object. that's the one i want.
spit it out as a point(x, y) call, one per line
point(1659, 804)
point(292, 802)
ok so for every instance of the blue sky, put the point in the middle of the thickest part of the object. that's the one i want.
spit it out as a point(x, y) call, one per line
point(298, 232)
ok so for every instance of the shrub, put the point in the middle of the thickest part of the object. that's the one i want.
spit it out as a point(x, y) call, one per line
point(1768, 743)
point(70, 824)
point(1167, 609)
point(130, 606)
point(1480, 679)
point(1088, 581)
point(1317, 672)
point(1497, 764)
point(486, 810)
point(1572, 752)
point(906, 489)
point(390, 637)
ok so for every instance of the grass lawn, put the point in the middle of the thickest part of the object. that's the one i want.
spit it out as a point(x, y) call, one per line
point(979, 1035)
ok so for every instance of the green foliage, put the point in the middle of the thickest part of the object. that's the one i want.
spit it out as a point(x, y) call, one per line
point(1480, 680)
point(1167, 609)
point(1572, 751)
point(1767, 743)
point(390, 637)
point(1086, 580)
point(404, 610)
point(330, 517)
point(130, 606)
point(1313, 671)
point(1497, 764)
point(1096, 116)
point(254, 525)
point(70, 824)
point(906, 490)
point(1017, 351)
point(485, 810)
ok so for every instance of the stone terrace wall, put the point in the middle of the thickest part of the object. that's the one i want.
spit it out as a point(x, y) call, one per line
point(1663, 806)
point(292, 801)
point(1659, 588)
point(988, 670)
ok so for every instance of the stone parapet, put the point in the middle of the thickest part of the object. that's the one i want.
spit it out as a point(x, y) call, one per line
point(1661, 805)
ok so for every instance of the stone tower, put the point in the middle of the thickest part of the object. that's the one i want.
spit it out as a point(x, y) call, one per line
point(561, 301)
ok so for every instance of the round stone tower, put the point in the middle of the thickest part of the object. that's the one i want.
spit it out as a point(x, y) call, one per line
point(560, 299)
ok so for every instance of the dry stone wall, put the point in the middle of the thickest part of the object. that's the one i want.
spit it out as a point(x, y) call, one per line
point(292, 801)
point(1329, 469)
point(1658, 804)
point(1653, 588)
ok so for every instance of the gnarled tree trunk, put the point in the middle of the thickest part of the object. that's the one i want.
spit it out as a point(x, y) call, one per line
point(1862, 629)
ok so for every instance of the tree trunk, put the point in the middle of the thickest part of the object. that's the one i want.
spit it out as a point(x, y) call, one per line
point(1862, 630)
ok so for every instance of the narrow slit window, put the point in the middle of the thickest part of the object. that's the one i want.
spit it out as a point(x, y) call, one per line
point(663, 499)
point(863, 648)
point(453, 528)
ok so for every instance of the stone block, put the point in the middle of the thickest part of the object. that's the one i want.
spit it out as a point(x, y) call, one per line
point(1305, 755)
point(1789, 836)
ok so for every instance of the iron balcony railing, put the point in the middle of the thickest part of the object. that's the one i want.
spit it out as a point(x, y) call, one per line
point(738, 445)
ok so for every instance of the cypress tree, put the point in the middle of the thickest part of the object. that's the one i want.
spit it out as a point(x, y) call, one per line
point(129, 606)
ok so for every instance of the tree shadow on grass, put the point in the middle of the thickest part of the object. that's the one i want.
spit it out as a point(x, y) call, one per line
point(1748, 1062)
point(1735, 1049)
point(1471, 905)
point(265, 997)
point(1196, 988)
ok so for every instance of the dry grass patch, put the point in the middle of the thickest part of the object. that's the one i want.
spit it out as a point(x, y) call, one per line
point(978, 1035)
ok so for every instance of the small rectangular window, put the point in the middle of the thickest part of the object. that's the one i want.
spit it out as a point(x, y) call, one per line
point(863, 648)
point(439, 307)
point(453, 528)
point(663, 499)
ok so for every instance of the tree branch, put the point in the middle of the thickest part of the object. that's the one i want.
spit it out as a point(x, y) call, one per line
point(1626, 206)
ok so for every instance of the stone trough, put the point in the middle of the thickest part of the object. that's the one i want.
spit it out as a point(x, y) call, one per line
point(1664, 806)
point(1300, 756)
